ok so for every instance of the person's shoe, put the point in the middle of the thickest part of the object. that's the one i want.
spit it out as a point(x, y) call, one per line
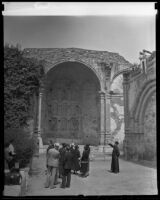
point(52, 187)
point(46, 186)
point(56, 183)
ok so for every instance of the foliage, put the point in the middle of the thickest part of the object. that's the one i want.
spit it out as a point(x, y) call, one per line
point(23, 143)
point(21, 80)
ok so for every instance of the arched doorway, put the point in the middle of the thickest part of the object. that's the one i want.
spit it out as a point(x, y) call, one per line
point(72, 105)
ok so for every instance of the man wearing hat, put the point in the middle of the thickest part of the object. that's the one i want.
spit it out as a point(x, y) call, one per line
point(115, 157)
point(67, 165)
point(52, 163)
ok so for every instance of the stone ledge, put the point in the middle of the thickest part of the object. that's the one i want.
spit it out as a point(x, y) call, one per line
point(24, 184)
point(12, 190)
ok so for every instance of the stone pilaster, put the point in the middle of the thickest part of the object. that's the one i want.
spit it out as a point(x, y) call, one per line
point(126, 112)
point(102, 117)
point(108, 119)
point(126, 103)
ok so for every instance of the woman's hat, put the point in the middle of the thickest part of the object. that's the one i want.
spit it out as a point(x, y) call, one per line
point(56, 145)
point(116, 142)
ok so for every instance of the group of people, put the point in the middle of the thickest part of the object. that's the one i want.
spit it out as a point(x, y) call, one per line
point(61, 160)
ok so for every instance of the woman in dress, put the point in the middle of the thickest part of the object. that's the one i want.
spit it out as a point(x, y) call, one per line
point(76, 156)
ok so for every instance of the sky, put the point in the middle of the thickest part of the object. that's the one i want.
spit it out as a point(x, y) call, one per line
point(126, 35)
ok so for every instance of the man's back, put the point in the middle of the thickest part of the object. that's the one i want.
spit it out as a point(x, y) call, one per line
point(62, 153)
point(53, 157)
point(68, 160)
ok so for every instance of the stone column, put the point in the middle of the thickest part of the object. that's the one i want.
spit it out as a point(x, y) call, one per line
point(40, 120)
point(126, 114)
point(102, 119)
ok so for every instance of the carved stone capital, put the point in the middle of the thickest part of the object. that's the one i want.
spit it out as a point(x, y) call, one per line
point(101, 95)
point(41, 88)
point(108, 96)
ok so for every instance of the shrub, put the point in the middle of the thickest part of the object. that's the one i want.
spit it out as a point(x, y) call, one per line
point(23, 143)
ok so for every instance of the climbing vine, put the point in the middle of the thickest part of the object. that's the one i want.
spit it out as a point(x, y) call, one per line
point(21, 81)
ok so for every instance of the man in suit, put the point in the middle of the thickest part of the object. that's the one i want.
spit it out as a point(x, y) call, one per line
point(52, 163)
point(62, 153)
point(67, 165)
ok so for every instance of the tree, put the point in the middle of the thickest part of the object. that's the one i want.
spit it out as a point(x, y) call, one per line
point(21, 81)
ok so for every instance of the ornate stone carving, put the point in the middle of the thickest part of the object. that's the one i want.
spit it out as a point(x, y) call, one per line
point(74, 124)
point(63, 124)
point(54, 108)
point(63, 108)
point(106, 69)
point(54, 123)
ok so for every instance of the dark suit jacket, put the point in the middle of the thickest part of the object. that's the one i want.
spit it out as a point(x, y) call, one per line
point(67, 162)
point(62, 153)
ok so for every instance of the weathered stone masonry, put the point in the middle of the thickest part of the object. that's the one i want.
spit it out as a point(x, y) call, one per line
point(140, 111)
point(76, 80)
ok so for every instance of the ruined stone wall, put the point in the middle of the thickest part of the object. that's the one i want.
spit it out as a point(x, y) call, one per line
point(150, 128)
point(94, 121)
point(117, 118)
point(140, 111)
point(117, 110)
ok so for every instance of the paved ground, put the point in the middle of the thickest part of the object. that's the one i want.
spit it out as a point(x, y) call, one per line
point(132, 180)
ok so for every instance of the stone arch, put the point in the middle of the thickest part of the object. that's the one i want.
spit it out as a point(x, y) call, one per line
point(86, 64)
point(142, 100)
point(75, 116)
point(113, 84)
point(118, 70)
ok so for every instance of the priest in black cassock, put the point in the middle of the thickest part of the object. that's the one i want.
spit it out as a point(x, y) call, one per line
point(115, 157)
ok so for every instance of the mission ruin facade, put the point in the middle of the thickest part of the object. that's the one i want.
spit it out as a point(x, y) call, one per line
point(75, 96)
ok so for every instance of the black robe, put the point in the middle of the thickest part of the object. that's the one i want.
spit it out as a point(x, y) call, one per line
point(76, 156)
point(85, 162)
point(115, 159)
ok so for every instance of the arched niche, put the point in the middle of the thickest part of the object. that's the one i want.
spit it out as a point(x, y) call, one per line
point(72, 103)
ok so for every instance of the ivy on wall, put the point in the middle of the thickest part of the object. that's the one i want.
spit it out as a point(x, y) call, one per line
point(21, 82)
